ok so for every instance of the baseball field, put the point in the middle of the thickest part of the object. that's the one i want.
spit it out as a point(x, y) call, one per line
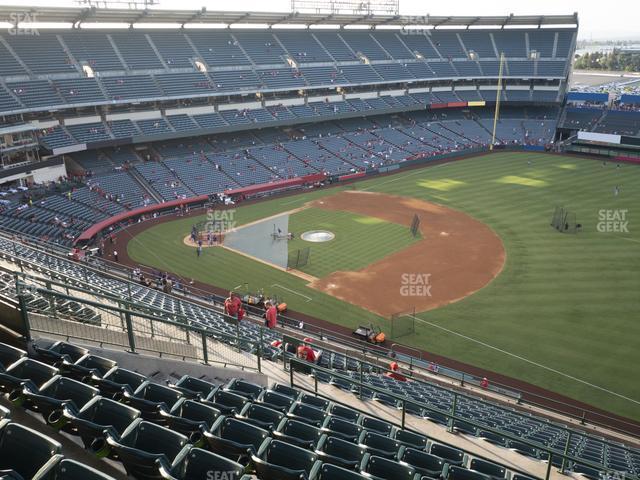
point(493, 284)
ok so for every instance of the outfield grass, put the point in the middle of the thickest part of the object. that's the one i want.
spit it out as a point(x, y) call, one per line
point(562, 314)
point(359, 240)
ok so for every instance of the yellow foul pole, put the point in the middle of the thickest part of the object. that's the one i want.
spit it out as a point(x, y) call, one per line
point(498, 97)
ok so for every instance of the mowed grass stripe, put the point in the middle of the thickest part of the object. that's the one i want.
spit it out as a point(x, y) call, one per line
point(564, 301)
point(359, 240)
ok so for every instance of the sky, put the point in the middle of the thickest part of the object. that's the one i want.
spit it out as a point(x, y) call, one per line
point(599, 20)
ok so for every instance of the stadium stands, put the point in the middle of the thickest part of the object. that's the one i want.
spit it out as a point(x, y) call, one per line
point(181, 426)
point(620, 122)
point(184, 169)
point(281, 432)
point(149, 65)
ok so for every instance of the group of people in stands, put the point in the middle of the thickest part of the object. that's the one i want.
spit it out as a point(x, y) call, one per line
point(234, 308)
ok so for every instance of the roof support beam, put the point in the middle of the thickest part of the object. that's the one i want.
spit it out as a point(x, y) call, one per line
point(195, 16)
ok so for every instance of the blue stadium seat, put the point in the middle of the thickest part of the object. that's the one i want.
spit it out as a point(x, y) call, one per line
point(283, 461)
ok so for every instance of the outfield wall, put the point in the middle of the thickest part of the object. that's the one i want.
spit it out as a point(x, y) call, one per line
point(127, 217)
point(132, 216)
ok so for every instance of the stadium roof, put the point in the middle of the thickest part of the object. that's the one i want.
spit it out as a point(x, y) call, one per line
point(79, 15)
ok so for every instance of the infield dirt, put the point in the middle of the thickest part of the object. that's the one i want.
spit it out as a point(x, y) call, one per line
point(456, 257)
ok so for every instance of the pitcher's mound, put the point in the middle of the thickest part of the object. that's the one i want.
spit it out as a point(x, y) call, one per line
point(318, 236)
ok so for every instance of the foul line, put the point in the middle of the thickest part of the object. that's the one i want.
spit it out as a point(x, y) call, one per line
point(309, 299)
point(295, 200)
point(629, 239)
point(526, 360)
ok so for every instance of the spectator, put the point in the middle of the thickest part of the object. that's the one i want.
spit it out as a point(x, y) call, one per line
point(115, 256)
point(395, 372)
point(271, 315)
point(305, 352)
point(484, 383)
point(233, 306)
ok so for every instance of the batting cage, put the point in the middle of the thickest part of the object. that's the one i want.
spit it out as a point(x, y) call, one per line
point(403, 324)
point(564, 221)
point(209, 232)
point(266, 240)
point(299, 258)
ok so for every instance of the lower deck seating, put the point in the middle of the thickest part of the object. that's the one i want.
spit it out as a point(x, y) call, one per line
point(208, 165)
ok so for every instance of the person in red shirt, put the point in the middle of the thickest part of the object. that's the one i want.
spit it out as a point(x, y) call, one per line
point(395, 372)
point(271, 315)
point(484, 383)
point(233, 306)
point(305, 352)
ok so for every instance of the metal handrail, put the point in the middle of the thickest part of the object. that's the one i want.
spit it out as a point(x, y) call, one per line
point(305, 367)
point(187, 325)
point(361, 346)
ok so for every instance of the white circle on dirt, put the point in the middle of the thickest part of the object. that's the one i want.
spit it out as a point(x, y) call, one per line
point(318, 236)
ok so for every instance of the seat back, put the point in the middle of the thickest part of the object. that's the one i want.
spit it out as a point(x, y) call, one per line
point(332, 472)
point(411, 439)
point(63, 388)
point(195, 385)
point(69, 469)
point(202, 464)
point(289, 456)
point(197, 412)
point(285, 390)
point(101, 364)
point(9, 355)
point(451, 454)
point(104, 411)
point(307, 413)
point(152, 438)
point(262, 414)
point(275, 399)
point(345, 412)
point(383, 446)
point(246, 389)
point(424, 462)
point(338, 447)
point(37, 372)
point(24, 450)
point(460, 473)
point(242, 432)
point(342, 427)
point(156, 393)
point(314, 401)
point(385, 468)
point(488, 468)
point(123, 376)
point(379, 426)
point(229, 400)
point(74, 352)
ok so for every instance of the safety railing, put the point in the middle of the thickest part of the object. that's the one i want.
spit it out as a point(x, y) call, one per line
point(552, 456)
point(50, 311)
point(345, 345)
point(128, 325)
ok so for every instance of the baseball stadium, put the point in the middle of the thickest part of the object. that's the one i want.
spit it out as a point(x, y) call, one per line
point(332, 243)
